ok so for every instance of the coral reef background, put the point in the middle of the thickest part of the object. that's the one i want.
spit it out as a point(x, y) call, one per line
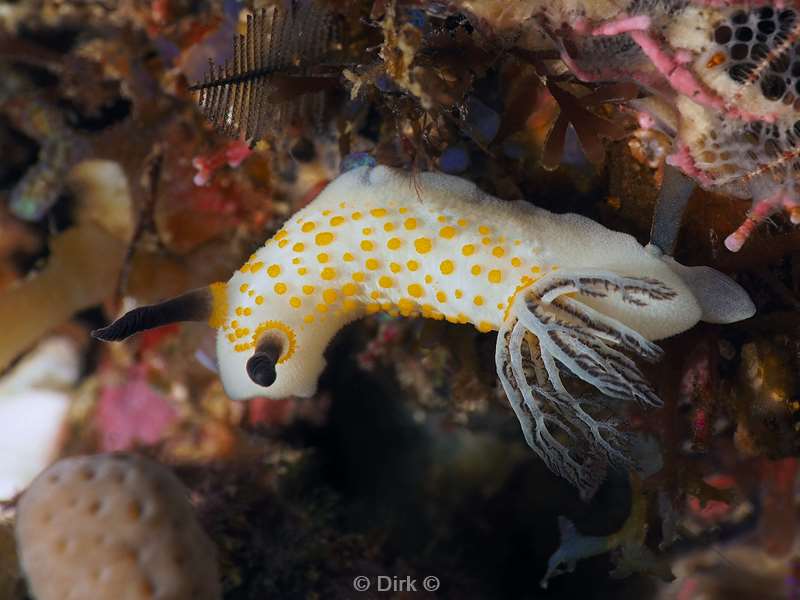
point(117, 188)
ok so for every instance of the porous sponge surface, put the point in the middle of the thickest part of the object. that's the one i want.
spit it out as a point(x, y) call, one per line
point(113, 527)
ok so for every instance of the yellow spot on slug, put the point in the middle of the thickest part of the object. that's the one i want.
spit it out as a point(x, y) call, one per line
point(280, 288)
point(478, 301)
point(308, 227)
point(468, 249)
point(459, 293)
point(324, 238)
point(394, 243)
point(412, 265)
point(448, 232)
point(406, 306)
point(483, 230)
point(446, 267)
point(302, 271)
point(308, 319)
point(328, 273)
point(387, 227)
point(428, 279)
point(347, 257)
point(257, 266)
point(366, 230)
point(356, 216)
point(498, 252)
point(423, 245)
point(322, 257)
point(495, 276)
point(274, 270)
point(475, 270)
point(295, 302)
point(416, 290)
point(299, 247)
point(485, 326)
point(219, 304)
point(378, 212)
point(385, 282)
point(336, 221)
point(367, 246)
point(330, 295)
point(349, 289)
point(441, 296)
point(516, 262)
point(395, 268)
point(259, 300)
point(244, 287)
point(308, 290)
point(410, 224)
point(462, 222)
point(359, 276)
point(372, 264)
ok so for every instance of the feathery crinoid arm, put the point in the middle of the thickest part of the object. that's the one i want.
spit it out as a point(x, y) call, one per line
point(274, 75)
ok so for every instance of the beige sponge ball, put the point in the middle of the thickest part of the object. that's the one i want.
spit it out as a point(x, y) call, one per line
point(113, 527)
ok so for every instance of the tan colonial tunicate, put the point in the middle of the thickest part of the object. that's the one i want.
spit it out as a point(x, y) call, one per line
point(113, 527)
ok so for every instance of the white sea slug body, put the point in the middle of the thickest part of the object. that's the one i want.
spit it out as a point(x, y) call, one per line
point(563, 291)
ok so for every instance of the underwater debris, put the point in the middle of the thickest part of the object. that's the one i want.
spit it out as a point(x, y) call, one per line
point(767, 410)
point(733, 91)
point(35, 392)
point(35, 194)
point(82, 269)
point(367, 244)
point(275, 75)
point(132, 413)
point(233, 154)
point(110, 526)
point(631, 556)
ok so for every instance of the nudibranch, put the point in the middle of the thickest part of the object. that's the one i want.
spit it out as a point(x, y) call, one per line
point(565, 294)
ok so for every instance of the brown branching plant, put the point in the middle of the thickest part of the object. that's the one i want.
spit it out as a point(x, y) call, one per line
point(277, 74)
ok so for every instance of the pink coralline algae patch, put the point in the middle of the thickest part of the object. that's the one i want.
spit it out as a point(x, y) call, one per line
point(133, 414)
point(726, 72)
point(232, 154)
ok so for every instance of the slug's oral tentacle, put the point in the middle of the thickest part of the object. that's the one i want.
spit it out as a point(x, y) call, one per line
point(196, 305)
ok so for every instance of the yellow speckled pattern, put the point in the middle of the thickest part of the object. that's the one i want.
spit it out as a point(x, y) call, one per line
point(380, 241)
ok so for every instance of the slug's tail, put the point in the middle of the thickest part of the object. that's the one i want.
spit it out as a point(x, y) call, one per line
point(550, 331)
